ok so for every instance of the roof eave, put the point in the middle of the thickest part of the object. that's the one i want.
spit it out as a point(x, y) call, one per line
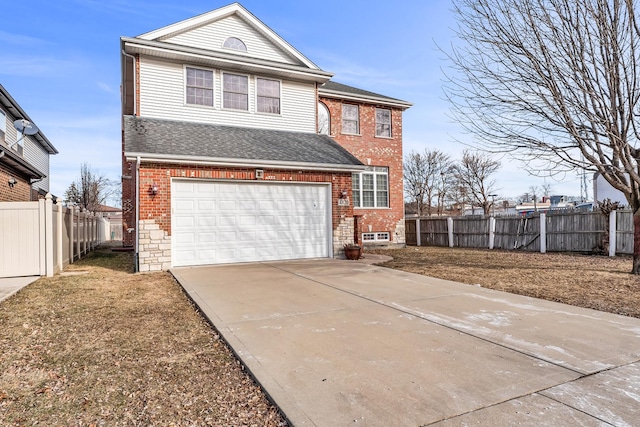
point(362, 98)
point(220, 59)
point(251, 163)
point(17, 163)
point(12, 104)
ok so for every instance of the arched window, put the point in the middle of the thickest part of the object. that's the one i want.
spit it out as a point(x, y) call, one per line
point(235, 44)
point(324, 119)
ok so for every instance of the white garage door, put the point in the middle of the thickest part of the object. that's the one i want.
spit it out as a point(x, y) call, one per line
point(217, 222)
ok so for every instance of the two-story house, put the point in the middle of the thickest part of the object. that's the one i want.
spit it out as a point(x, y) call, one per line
point(223, 158)
point(24, 159)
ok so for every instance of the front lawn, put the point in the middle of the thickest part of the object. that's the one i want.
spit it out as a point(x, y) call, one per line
point(597, 282)
point(99, 345)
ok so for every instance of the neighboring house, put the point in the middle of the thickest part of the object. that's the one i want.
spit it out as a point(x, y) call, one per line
point(223, 158)
point(24, 160)
point(603, 190)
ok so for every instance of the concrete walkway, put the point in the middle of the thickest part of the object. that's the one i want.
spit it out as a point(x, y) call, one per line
point(11, 285)
point(338, 343)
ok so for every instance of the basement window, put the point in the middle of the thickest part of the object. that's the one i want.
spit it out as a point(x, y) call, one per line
point(376, 237)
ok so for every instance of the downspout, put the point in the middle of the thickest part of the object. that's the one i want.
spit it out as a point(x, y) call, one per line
point(135, 110)
point(135, 263)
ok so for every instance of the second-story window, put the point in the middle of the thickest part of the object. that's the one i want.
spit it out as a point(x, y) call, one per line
point(199, 86)
point(3, 125)
point(235, 91)
point(268, 92)
point(324, 119)
point(383, 122)
point(350, 119)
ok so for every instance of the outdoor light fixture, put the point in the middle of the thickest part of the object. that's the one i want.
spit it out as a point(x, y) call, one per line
point(259, 174)
point(153, 189)
point(343, 194)
point(12, 181)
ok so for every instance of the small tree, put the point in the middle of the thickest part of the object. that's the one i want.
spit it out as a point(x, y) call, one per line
point(90, 191)
point(474, 173)
point(426, 178)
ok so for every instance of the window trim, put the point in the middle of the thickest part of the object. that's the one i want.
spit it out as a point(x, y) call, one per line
point(357, 121)
point(213, 87)
point(279, 113)
point(371, 170)
point(390, 123)
point(244, 45)
point(376, 236)
point(223, 73)
point(324, 107)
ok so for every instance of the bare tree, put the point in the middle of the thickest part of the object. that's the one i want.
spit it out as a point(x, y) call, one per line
point(555, 83)
point(426, 178)
point(547, 189)
point(90, 191)
point(473, 173)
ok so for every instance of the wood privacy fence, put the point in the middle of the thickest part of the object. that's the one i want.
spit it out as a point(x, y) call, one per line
point(554, 232)
point(41, 238)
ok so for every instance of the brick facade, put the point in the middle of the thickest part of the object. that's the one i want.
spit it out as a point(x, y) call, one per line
point(155, 210)
point(21, 190)
point(374, 151)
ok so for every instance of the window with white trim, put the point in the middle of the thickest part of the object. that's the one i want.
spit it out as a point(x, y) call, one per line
point(3, 125)
point(376, 237)
point(268, 96)
point(324, 119)
point(199, 89)
point(235, 91)
point(350, 119)
point(371, 188)
point(383, 122)
point(234, 43)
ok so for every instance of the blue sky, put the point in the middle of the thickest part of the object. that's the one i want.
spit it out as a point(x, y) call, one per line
point(60, 61)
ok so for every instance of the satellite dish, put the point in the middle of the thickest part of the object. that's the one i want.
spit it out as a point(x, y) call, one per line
point(26, 127)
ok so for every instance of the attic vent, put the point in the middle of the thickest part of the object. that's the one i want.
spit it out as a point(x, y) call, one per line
point(235, 44)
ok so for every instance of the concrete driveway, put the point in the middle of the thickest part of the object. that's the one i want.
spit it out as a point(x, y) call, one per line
point(338, 343)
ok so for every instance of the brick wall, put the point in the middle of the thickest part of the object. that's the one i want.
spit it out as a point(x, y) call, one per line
point(375, 151)
point(21, 190)
point(155, 210)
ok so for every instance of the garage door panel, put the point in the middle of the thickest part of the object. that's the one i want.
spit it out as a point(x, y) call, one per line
point(224, 222)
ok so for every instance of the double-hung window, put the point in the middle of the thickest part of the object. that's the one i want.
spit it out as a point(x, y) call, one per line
point(199, 86)
point(235, 90)
point(350, 119)
point(268, 96)
point(371, 188)
point(383, 122)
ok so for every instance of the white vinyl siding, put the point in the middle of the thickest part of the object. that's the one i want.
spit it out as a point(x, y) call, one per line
point(162, 97)
point(3, 125)
point(36, 155)
point(212, 37)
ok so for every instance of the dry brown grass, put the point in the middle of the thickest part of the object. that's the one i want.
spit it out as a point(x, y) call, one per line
point(597, 282)
point(108, 347)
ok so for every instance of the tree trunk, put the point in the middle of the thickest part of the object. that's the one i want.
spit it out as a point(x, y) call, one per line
point(636, 242)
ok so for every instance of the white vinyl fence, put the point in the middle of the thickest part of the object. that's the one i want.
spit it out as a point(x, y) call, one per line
point(41, 238)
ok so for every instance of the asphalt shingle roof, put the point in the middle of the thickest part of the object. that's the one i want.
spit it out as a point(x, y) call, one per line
point(350, 90)
point(168, 137)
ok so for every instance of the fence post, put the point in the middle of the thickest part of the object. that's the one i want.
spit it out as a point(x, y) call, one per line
point(60, 260)
point(48, 231)
point(418, 240)
point(42, 244)
point(71, 234)
point(450, 230)
point(543, 233)
point(613, 232)
point(492, 231)
point(85, 231)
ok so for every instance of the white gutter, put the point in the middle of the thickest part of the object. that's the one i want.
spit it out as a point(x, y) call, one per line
point(195, 160)
point(136, 260)
point(353, 97)
point(133, 58)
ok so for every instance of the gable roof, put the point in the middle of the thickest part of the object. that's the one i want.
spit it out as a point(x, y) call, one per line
point(217, 14)
point(171, 141)
point(333, 89)
point(11, 106)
